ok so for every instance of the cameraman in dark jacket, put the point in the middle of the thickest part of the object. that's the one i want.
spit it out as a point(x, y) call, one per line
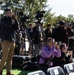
point(37, 38)
point(8, 28)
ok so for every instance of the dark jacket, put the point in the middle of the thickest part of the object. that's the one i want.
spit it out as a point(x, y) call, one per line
point(48, 33)
point(30, 32)
point(59, 34)
point(62, 60)
point(8, 28)
point(36, 35)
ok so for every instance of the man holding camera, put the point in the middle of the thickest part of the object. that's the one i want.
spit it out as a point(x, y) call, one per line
point(8, 28)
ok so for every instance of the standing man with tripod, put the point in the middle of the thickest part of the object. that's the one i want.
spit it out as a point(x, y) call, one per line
point(8, 28)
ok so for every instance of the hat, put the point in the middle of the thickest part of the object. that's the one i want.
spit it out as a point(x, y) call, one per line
point(7, 10)
point(48, 25)
point(62, 22)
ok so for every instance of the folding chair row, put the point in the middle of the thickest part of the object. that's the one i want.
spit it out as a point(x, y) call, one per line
point(39, 72)
point(68, 68)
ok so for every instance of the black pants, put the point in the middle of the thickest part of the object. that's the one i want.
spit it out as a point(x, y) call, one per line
point(43, 67)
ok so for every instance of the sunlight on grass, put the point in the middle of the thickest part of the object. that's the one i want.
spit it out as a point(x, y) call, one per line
point(16, 72)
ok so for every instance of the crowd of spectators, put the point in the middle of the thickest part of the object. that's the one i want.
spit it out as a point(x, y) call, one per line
point(37, 36)
point(55, 45)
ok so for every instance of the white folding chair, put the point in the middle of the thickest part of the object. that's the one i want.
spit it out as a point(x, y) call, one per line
point(39, 72)
point(69, 68)
point(55, 71)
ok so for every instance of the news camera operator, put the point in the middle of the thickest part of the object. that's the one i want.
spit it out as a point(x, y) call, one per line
point(38, 32)
point(8, 28)
point(36, 38)
point(65, 55)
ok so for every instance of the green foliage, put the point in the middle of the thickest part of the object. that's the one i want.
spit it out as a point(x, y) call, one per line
point(30, 7)
point(70, 18)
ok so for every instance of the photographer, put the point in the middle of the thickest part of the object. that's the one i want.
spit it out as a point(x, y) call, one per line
point(65, 56)
point(47, 54)
point(8, 28)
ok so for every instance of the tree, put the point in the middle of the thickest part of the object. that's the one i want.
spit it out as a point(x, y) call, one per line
point(29, 7)
point(70, 18)
point(49, 17)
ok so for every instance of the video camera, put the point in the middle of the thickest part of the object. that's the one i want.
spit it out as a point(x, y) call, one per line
point(39, 15)
point(23, 17)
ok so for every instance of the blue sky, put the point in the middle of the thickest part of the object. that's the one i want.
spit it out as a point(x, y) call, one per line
point(63, 7)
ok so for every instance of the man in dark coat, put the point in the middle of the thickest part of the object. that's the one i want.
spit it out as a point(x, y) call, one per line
point(8, 28)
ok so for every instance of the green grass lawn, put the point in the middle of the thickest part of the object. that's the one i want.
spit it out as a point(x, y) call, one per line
point(16, 72)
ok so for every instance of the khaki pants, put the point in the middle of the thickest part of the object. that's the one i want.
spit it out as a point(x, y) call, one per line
point(8, 50)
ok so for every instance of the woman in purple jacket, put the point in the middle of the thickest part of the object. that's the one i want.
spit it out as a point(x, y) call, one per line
point(47, 54)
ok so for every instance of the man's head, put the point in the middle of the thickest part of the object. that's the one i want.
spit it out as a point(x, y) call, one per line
point(37, 23)
point(8, 12)
point(49, 26)
point(62, 23)
point(30, 25)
